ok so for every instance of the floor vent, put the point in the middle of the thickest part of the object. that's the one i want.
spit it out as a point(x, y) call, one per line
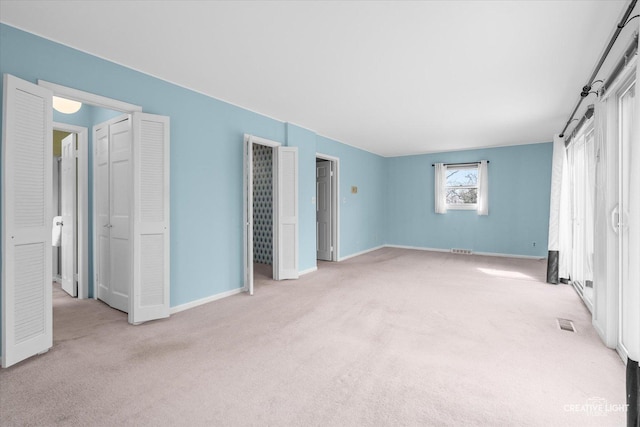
point(461, 251)
point(566, 325)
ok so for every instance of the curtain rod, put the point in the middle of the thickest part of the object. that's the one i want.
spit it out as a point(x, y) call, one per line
point(587, 88)
point(459, 164)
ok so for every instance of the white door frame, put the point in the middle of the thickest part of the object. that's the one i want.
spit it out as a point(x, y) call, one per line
point(82, 238)
point(609, 300)
point(335, 203)
point(96, 101)
point(89, 98)
point(248, 199)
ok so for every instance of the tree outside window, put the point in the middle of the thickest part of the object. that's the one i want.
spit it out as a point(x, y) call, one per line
point(461, 186)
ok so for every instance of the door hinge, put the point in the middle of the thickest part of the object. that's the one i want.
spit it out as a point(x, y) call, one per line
point(331, 249)
point(331, 173)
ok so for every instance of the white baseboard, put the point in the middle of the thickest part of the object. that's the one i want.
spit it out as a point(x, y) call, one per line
point(308, 270)
point(361, 253)
point(510, 255)
point(419, 248)
point(196, 303)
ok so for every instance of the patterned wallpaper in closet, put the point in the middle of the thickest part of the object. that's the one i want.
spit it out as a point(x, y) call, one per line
point(262, 204)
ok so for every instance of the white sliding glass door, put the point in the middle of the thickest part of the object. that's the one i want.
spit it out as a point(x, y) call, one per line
point(582, 163)
point(627, 327)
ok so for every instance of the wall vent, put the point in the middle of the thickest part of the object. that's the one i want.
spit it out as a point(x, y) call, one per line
point(566, 325)
point(461, 251)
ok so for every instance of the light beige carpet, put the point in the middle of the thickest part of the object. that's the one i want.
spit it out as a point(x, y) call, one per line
point(394, 337)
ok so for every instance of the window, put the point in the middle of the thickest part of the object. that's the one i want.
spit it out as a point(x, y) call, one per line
point(581, 162)
point(461, 186)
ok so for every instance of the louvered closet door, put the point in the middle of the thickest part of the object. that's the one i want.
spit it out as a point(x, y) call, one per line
point(26, 220)
point(151, 285)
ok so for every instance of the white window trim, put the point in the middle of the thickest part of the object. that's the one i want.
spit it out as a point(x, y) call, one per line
point(463, 207)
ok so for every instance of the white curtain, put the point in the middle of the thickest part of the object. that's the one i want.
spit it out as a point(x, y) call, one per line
point(439, 190)
point(483, 188)
point(556, 187)
point(565, 222)
point(560, 222)
point(602, 227)
point(590, 207)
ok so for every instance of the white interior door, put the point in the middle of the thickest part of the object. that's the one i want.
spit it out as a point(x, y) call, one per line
point(26, 220)
point(55, 211)
point(248, 214)
point(113, 204)
point(286, 214)
point(101, 206)
point(151, 256)
point(120, 273)
point(68, 212)
point(323, 210)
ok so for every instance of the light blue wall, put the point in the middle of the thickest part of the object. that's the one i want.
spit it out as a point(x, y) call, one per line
point(206, 155)
point(206, 162)
point(362, 215)
point(519, 188)
point(394, 203)
point(83, 117)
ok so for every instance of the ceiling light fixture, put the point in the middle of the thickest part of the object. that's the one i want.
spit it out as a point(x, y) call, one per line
point(66, 106)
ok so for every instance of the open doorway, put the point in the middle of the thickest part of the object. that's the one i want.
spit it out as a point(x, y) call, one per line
point(327, 208)
point(72, 184)
point(65, 209)
point(70, 225)
point(276, 195)
point(56, 238)
point(27, 210)
point(263, 179)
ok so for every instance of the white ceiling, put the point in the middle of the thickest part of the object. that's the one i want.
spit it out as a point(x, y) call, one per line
point(394, 78)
